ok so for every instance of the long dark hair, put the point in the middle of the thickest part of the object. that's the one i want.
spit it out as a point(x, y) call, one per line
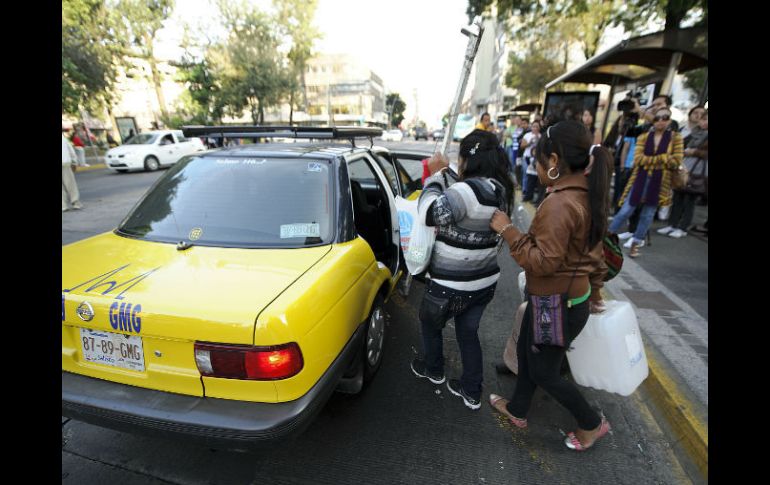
point(485, 158)
point(571, 142)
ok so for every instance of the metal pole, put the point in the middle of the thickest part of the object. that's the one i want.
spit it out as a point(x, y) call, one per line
point(668, 83)
point(474, 33)
point(609, 106)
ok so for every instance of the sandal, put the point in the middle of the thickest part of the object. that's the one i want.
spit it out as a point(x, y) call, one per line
point(494, 400)
point(634, 252)
point(573, 443)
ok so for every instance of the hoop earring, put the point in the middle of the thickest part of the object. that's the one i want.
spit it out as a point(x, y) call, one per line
point(549, 173)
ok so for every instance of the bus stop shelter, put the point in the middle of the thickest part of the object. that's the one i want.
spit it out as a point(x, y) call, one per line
point(643, 60)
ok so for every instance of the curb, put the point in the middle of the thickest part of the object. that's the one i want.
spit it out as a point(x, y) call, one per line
point(690, 432)
point(94, 166)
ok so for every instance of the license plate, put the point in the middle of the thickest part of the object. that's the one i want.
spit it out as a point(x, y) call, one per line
point(113, 349)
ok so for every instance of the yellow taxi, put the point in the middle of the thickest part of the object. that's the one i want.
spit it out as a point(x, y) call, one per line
point(242, 289)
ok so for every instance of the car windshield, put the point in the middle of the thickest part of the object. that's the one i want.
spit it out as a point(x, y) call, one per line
point(142, 139)
point(238, 202)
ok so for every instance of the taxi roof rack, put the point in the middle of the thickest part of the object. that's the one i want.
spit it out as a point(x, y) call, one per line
point(313, 132)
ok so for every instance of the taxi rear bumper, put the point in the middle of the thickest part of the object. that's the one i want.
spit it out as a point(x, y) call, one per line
point(221, 423)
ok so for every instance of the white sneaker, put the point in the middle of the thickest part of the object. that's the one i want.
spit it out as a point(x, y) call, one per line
point(665, 230)
point(625, 235)
point(677, 233)
point(630, 242)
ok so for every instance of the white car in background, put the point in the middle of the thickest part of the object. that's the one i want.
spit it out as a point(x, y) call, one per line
point(392, 135)
point(151, 150)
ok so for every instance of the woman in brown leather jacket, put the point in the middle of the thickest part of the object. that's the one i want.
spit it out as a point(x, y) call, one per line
point(561, 253)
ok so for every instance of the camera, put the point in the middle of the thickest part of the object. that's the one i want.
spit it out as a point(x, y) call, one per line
point(626, 105)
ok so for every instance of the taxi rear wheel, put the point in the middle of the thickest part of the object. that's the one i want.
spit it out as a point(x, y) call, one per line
point(374, 342)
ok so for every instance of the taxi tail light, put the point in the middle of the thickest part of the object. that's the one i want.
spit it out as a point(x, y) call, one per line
point(248, 362)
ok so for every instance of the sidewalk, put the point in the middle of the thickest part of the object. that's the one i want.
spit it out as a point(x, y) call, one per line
point(95, 163)
point(675, 336)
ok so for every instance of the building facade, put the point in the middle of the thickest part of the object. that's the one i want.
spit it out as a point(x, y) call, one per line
point(342, 91)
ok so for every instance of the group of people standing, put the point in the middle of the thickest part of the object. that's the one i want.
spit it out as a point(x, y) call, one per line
point(649, 155)
point(561, 255)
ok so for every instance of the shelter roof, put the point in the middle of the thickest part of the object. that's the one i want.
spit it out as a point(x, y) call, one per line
point(645, 58)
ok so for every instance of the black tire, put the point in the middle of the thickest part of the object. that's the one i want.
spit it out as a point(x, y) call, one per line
point(374, 339)
point(122, 170)
point(151, 164)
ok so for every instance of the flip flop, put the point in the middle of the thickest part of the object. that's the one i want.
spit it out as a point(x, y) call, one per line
point(494, 399)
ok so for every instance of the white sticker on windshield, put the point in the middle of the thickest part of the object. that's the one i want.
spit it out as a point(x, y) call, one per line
point(314, 167)
point(300, 230)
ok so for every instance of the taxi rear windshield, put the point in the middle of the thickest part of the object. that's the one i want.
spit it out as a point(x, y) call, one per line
point(238, 202)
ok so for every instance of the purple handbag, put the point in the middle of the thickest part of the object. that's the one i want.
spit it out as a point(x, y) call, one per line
point(549, 317)
point(549, 314)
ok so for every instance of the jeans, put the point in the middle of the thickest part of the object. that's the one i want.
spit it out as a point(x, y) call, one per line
point(467, 322)
point(621, 178)
point(683, 210)
point(530, 185)
point(542, 368)
point(645, 219)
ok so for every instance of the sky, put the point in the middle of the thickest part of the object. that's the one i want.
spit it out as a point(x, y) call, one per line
point(413, 45)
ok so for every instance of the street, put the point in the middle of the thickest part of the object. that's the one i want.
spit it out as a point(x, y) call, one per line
point(402, 429)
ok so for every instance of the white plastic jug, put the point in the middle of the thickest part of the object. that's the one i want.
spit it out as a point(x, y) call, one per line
point(609, 353)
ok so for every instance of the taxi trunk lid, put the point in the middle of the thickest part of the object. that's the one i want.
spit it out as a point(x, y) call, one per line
point(169, 298)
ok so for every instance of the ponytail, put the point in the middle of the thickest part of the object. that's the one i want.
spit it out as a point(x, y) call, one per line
point(599, 173)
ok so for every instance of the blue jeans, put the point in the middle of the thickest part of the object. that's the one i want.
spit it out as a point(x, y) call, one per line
point(645, 219)
point(466, 307)
point(511, 156)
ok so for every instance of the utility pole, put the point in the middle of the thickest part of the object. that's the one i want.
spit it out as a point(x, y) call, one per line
point(474, 33)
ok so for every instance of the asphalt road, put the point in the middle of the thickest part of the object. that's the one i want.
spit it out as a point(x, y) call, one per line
point(400, 429)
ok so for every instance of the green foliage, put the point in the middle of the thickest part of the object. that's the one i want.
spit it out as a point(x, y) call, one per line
point(295, 18)
point(669, 13)
point(89, 53)
point(252, 71)
point(695, 80)
point(186, 112)
point(567, 22)
point(530, 75)
point(394, 102)
point(203, 99)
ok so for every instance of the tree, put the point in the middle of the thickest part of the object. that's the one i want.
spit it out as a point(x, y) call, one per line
point(89, 52)
point(584, 21)
point(202, 103)
point(564, 22)
point(695, 81)
point(142, 19)
point(395, 106)
point(295, 19)
point(531, 74)
point(251, 69)
point(671, 13)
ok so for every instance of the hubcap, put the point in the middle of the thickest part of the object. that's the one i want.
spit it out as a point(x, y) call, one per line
point(375, 337)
